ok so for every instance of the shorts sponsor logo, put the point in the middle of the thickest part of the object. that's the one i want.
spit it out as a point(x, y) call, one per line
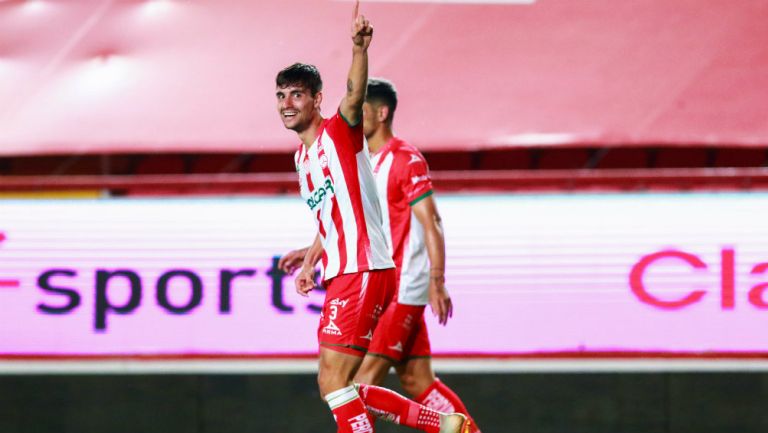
point(331, 329)
point(398, 346)
point(368, 336)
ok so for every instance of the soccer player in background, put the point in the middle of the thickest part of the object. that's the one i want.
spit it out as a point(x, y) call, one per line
point(336, 180)
point(413, 227)
point(414, 230)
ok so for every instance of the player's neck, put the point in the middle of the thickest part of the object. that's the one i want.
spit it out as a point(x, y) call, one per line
point(380, 138)
point(309, 135)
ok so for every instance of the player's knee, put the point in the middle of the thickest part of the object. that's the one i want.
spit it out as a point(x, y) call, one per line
point(331, 377)
point(327, 382)
point(411, 384)
point(365, 376)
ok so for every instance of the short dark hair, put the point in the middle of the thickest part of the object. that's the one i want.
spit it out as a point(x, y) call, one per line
point(382, 91)
point(300, 74)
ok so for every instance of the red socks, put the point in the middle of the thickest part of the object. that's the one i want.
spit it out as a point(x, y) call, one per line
point(349, 411)
point(352, 409)
point(441, 398)
point(391, 406)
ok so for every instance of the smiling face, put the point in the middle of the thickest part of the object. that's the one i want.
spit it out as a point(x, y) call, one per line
point(297, 107)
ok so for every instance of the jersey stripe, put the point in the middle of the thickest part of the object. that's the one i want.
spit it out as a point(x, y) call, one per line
point(349, 166)
point(337, 184)
point(335, 213)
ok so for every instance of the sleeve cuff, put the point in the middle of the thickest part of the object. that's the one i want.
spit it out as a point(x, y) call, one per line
point(421, 197)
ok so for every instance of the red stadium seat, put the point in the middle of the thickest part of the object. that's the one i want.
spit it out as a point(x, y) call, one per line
point(270, 163)
point(161, 164)
point(84, 165)
point(563, 158)
point(449, 160)
point(624, 157)
point(217, 163)
point(682, 157)
point(740, 157)
point(504, 159)
point(35, 166)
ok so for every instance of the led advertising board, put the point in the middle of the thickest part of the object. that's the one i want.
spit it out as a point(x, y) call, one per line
point(629, 273)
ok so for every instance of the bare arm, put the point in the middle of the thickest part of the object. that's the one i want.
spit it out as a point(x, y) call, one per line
point(439, 299)
point(357, 80)
point(305, 280)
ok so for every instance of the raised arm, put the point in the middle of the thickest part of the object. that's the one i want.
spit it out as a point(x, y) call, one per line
point(439, 299)
point(352, 104)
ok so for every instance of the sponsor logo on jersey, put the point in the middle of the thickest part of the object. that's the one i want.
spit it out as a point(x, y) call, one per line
point(417, 179)
point(331, 329)
point(340, 302)
point(320, 193)
point(361, 424)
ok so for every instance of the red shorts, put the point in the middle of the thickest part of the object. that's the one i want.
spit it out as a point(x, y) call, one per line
point(353, 305)
point(401, 334)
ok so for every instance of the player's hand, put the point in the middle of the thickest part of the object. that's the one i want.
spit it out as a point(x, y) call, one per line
point(362, 30)
point(440, 300)
point(305, 281)
point(292, 261)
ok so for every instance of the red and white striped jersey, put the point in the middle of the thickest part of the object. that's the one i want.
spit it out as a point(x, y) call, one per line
point(402, 179)
point(336, 182)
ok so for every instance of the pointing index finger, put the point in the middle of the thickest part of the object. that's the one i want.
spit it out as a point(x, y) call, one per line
point(357, 8)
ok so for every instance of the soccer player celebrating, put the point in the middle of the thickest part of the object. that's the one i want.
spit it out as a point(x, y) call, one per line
point(414, 231)
point(336, 180)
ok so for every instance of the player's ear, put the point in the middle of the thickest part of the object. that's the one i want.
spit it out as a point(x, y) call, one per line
point(318, 99)
point(382, 113)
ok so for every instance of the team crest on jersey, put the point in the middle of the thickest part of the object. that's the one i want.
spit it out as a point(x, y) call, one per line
point(323, 161)
point(320, 193)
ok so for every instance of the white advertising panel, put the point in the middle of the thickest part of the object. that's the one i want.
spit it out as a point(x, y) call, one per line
point(611, 273)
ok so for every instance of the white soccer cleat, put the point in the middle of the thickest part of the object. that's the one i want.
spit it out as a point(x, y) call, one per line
point(454, 423)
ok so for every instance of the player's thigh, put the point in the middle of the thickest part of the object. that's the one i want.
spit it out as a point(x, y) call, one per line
point(373, 370)
point(416, 375)
point(336, 369)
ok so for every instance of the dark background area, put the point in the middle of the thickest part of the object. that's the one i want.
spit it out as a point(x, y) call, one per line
point(529, 403)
